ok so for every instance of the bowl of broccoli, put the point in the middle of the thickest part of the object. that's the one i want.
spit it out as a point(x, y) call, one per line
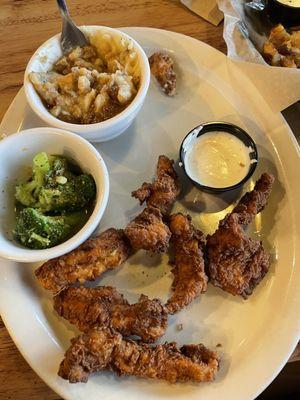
point(54, 190)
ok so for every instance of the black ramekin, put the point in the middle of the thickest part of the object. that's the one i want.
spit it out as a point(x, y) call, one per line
point(223, 127)
point(283, 13)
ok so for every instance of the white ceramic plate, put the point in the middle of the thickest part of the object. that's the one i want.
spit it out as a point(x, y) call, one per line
point(257, 335)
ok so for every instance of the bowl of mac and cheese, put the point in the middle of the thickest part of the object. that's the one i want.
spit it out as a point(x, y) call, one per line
point(95, 91)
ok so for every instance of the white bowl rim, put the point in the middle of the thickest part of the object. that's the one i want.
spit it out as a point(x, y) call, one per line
point(87, 128)
point(27, 255)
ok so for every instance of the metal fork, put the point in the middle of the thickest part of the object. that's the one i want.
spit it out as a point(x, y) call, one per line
point(71, 36)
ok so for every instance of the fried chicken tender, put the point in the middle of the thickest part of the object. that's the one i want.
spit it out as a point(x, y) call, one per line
point(162, 67)
point(254, 202)
point(104, 349)
point(288, 62)
point(148, 231)
point(279, 36)
point(271, 54)
point(237, 263)
point(282, 48)
point(104, 306)
point(190, 279)
point(86, 263)
point(164, 190)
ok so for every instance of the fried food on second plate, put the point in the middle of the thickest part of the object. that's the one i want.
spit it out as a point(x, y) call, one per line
point(148, 231)
point(282, 48)
point(164, 190)
point(104, 349)
point(104, 306)
point(237, 263)
point(190, 279)
point(86, 263)
point(162, 67)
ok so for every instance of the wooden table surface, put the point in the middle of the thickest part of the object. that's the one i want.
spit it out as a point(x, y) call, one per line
point(24, 25)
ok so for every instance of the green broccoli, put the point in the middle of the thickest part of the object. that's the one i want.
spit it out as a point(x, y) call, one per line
point(27, 193)
point(56, 185)
point(56, 189)
point(60, 167)
point(37, 231)
point(71, 195)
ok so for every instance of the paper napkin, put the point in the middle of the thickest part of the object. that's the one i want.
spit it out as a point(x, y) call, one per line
point(207, 9)
point(279, 86)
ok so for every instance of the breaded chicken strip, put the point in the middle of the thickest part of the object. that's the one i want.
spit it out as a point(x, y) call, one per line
point(254, 202)
point(190, 279)
point(237, 263)
point(104, 349)
point(104, 306)
point(86, 263)
point(148, 231)
point(164, 190)
point(280, 38)
point(282, 48)
point(271, 54)
point(295, 42)
point(162, 67)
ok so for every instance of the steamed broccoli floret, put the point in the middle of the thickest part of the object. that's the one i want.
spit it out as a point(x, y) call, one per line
point(37, 231)
point(72, 195)
point(58, 188)
point(56, 185)
point(59, 164)
point(27, 193)
point(60, 167)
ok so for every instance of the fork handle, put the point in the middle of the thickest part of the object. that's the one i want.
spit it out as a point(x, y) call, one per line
point(62, 5)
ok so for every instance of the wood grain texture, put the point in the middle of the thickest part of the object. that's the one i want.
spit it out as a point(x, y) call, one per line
point(24, 25)
point(17, 380)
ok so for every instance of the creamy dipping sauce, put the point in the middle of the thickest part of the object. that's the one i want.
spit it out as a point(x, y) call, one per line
point(291, 3)
point(217, 159)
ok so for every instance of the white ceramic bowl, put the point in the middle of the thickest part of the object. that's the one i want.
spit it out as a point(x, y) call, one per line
point(43, 60)
point(16, 154)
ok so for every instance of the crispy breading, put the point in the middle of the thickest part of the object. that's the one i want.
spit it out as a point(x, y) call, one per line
point(271, 54)
point(254, 202)
point(279, 36)
point(282, 48)
point(295, 41)
point(86, 263)
point(104, 306)
point(164, 190)
point(288, 62)
point(104, 349)
point(237, 263)
point(148, 231)
point(190, 279)
point(162, 67)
